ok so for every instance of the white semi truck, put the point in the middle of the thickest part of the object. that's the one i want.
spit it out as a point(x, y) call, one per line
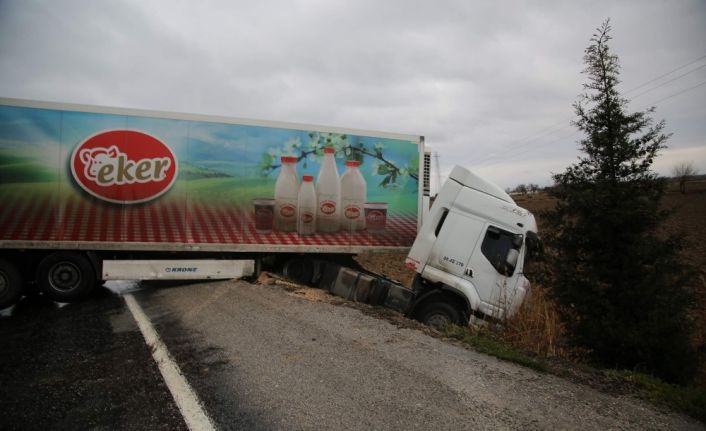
point(471, 252)
point(91, 193)
point(469, 257)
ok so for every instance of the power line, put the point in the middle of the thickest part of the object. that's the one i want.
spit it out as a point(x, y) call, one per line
point(671, 80)
point(678, 93)
point(527, 150)
point(543, 131)
point(519, 143)
point(666, 74)
point(523, 142)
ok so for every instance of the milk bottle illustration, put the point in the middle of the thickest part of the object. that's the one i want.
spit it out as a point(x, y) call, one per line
point(306, 207)
point(328, 194)
point(353, 194)
point(286, 194)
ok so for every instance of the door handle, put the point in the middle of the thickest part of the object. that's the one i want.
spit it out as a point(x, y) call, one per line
point(468, 272)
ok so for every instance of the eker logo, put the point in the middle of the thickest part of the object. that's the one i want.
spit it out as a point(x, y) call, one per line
point(124, 166)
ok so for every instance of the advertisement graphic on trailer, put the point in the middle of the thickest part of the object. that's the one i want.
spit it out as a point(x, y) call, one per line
point(79, 176)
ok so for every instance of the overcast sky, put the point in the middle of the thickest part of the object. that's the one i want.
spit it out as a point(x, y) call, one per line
point(489, 84)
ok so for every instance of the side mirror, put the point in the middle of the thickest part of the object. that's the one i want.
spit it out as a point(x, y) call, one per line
point(511, 259)
point(534, 244)
point(517, 241)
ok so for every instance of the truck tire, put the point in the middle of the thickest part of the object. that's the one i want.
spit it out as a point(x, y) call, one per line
point(66, 276)
point(439, 314)
point(300, 270)
point(11, 286)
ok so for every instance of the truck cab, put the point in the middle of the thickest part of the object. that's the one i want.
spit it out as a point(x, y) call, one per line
point(471, 252)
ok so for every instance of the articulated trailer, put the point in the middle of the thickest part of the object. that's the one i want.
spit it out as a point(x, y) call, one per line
point(91, 193)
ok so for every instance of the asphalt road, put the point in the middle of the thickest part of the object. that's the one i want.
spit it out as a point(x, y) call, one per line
point(78, 367)
point(261, 358)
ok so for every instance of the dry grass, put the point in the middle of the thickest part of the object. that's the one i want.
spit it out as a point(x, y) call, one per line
point(537, 326)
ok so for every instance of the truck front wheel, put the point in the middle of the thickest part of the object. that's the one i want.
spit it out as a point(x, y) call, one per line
point(65, 276)
point(439, 314)
point(10, 284)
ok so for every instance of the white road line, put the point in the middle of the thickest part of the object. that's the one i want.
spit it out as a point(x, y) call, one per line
point(185, 398)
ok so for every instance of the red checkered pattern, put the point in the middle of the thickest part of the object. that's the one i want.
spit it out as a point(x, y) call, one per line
point(40, 217)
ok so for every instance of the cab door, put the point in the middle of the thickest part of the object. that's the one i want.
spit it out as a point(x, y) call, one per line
point(457, 237)
point(488, 268)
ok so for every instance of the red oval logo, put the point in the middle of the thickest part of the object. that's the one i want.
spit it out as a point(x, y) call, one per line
point(124, 166)
point(352, 212)
point(328, 207)
point(307, 217)
point(288, 210)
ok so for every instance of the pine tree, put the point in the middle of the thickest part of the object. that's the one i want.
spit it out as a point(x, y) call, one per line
point(616, 272)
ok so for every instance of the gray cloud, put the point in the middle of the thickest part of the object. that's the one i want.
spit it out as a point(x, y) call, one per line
point(490, 84)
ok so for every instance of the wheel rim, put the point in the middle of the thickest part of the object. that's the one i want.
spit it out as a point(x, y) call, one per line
point(438, 320)
point(64, 276)
point(4, 283)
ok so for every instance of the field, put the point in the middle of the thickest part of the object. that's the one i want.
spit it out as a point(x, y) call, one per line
point(689, 213)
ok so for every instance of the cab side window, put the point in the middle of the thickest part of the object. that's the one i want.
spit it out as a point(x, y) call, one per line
point(497, 245)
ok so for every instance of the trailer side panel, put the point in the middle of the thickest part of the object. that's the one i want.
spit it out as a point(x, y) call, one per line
point(124, 180)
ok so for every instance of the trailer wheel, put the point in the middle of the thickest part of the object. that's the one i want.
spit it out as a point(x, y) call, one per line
point(66, 276)
point(11, 286)
point(299, 269)
point(439, 314)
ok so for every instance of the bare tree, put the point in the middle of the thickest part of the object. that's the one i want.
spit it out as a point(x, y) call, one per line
point(683, 173)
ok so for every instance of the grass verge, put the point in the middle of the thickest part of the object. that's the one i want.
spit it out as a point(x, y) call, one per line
point(690, 400)
point(485, 342)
